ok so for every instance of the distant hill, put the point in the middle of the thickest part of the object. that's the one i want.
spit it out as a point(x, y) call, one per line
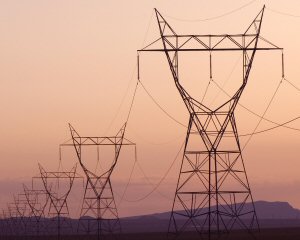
point(270, 215)
point(276, 210)
point(264, 210)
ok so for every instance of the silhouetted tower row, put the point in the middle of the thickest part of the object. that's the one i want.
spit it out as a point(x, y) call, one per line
point(23, 212)
point(212, 195)
point(99, 215)
point(213, 188)
point(58, 185)
point(37, 200)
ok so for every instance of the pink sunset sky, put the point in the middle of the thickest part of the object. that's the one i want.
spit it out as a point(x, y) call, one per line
point(75, 61)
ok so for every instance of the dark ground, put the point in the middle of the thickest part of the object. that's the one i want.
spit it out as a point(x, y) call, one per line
point(264, 234)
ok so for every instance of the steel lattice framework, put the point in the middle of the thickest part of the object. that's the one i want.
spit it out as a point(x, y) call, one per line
point(213, 193)
point(23, 212)
point(58, 209)
point(5, 227)
point(37, 200)
point(99, 215)
point(14, 219)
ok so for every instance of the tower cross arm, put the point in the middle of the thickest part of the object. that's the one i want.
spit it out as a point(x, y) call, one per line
point(100, 141)
point(221, 42)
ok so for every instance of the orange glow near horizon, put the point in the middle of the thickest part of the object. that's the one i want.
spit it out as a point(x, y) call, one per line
point(75, 61)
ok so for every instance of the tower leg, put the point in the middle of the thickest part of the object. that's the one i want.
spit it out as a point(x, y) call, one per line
point(212, 195)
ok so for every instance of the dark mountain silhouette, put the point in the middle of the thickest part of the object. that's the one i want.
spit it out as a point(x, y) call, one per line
point(264, 210)
point(270, 215)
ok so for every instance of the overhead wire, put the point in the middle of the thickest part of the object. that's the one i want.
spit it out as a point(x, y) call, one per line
point(292, 84)
point(256, 114)
point(130, 109)
point(272, 128)
point(132, 101)
point(282, 13)
point(284, 124)
point(138, 70)
point(262, 116)
point(241, 105)
point(228, 77)
point(155, 143)
point(155, 186)
point(270, 102)
point(122, 101)
point(130, 177)
point(130, 81)
point(210, 78)
point(214, 17)
point(206, 90)
point(160, 107)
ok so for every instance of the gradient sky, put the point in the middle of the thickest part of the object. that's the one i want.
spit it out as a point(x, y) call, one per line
point(75, 61)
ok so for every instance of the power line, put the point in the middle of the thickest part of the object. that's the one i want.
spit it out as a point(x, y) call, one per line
point(122, 101)
point(227, 79)
point(206, 90)
point(264, 113)
point(214, 17)
point(283, 13)
point(254, 113)
point(155, 143)
point(205, 166)
point(268, 129)
point(130, 176)
point(159, 182)
point(152, 184)
point(160, 107)
point(246, 108)
point(293, 85)
point(130, 81)
point(132, 101)
point(272, 128)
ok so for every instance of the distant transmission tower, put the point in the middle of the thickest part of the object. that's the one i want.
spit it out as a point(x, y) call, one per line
point(99, 215)
point(23, 212)
point(58, 186)
point(5, 224)
point(213, 188)
point(37, 200)
point(14, 220)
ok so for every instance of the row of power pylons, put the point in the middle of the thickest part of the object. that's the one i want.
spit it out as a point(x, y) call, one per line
point(213, 194)
point(42, 209)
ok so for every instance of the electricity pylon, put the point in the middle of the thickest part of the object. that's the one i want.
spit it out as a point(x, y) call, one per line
point(58, 210)
point(37, 200)
point(213, 193)
point(5, 227)
point(6, 224)
point(14, 220)
point(23, 212)
point(99, 215)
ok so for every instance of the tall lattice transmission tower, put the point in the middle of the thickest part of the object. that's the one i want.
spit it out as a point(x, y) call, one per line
point(213, 193)
point(37, 200)
point(99, 215)
point(58, 185)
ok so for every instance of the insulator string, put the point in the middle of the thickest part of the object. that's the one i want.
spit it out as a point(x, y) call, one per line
point(282, 65)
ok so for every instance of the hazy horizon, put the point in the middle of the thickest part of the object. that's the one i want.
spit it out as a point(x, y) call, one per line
point(75, 62)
